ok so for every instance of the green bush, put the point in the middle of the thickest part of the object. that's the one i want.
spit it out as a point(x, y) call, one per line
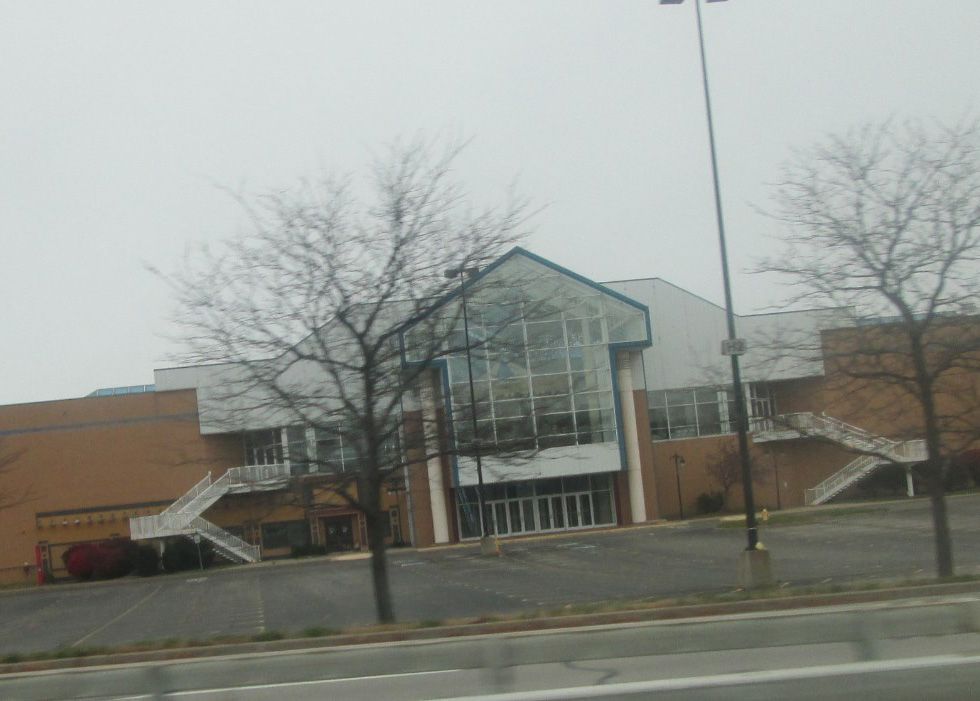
point(307, 550)
point(147, 560)
point(267, 636)
point(710, 502)
point(181, 554)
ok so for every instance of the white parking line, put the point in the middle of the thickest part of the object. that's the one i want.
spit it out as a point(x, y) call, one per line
point(121, 615)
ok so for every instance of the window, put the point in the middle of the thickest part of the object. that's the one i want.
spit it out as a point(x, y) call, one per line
point(539, 383)
point(285, 534)
point(264, 447)
point(686, 413)
point(329, 449)
point(297, 450)
point(337, 449)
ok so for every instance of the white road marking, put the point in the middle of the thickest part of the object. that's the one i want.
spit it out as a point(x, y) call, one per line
point(311, 682)
point(726, 680)
point(121, 615)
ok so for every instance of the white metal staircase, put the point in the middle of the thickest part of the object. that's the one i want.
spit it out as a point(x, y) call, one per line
point(183, 517)
point(877, 450)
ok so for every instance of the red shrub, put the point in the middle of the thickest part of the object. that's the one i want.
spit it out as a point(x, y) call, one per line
point(80, 560)
point(105, 560)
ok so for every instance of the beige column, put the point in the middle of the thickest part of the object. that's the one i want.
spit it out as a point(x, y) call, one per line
point(437, 492)
point(631, 438)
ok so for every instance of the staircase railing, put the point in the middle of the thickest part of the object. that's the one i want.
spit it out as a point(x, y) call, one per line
point(190, 495)
point(183, 517)
point(164, 525)
point(200, 503)
point(227, 541)
point(877, 449)
point(247, 474)
point(840, 480)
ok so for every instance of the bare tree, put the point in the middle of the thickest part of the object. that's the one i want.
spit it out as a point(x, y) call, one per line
point(884, 223)
point(308, 312)
point(11, 496)
point(725, 468)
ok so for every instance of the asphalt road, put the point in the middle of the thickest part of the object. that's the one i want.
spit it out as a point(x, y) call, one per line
point(913, 649)
point(549, 573)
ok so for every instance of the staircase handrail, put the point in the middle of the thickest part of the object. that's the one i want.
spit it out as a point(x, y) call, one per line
point(223, 538)
point(878, 442)
point(142, 527)
point(163, 525)
point(841, 479)
point(205, 498)
point(912, 451)
point(246, 474)
point(190, 494)
point(808, 423)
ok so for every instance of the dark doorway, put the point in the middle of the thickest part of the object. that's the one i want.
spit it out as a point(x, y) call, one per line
point(338, 533)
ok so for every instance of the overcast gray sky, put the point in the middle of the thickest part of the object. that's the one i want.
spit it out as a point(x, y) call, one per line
point(120, 118)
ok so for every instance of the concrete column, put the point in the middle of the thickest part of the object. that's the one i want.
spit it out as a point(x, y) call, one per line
point(631, 439)
point(909, 484)
point(437, 492)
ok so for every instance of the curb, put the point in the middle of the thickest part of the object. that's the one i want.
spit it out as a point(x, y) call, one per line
point(518, 626)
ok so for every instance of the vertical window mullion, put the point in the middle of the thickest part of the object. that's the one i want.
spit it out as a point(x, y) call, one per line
point(568, 375)
point(527, 366)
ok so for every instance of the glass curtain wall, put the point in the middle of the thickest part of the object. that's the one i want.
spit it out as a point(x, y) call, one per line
point(309, 449)
point(541, 375)
point(555, 504)
point(686, 413)
point(703, 411)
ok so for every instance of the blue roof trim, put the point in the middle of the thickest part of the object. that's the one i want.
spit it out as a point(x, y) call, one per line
point(519, 251)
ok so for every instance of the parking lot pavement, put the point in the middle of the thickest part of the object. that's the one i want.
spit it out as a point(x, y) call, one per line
point(893, 540)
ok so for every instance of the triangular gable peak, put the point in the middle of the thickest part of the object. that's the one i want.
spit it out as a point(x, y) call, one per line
point(523, 286)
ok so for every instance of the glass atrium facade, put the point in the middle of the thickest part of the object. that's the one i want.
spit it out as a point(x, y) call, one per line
point(542, 355)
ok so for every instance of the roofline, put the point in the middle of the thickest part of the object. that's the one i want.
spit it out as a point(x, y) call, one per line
point(518, 250)
point(716, 305)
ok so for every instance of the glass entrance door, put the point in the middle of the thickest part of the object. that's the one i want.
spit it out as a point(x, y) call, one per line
point(545, 505)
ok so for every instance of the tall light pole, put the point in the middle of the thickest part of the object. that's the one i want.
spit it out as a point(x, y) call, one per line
point(733, 346)
point(486, 547)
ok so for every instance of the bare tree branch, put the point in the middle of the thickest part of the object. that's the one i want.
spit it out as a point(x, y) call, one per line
point(883, 223)
point(305, 314)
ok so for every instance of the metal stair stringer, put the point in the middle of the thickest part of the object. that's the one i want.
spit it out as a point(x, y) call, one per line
point(183, 517)
point(877, 450)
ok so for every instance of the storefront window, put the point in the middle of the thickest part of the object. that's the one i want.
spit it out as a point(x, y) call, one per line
point(686, 413)
point(285, 534)
point(542, 505)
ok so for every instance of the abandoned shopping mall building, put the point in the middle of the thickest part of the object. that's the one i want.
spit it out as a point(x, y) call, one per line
point(619, 390)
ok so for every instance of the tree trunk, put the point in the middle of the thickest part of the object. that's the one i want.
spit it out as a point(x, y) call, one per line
point(940, 524)
point(379, 567)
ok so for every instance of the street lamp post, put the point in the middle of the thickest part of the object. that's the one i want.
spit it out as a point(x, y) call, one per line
point(486, 546)
point(755, 569)
point(678, 464)
point(200, 560)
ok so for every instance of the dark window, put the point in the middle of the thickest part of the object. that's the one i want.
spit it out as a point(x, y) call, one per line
point(285, 534)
